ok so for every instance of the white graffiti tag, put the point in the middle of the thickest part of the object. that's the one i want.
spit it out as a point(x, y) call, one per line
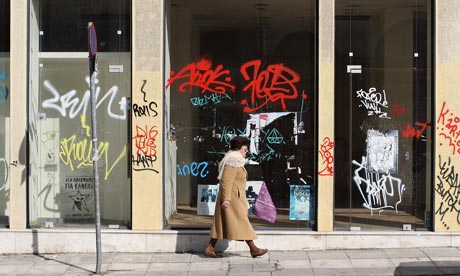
point(374, 101)
point(379, 191)
point(78, 107)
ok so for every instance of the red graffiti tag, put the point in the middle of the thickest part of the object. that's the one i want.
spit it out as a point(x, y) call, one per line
point(397, 109)
point(448, 126)
point(276, 83)
point(145, 141)
point(326, 156)
point(201, 75)
point(412, 131)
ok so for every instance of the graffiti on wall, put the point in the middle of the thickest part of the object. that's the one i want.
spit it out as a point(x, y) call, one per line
point(145, 135)
point(327, 157)
point(379, 191)
point(275, 83)
point(448, 126)
point(70, 105)
point(77, 152)
point(4, 92)
point(447, 187)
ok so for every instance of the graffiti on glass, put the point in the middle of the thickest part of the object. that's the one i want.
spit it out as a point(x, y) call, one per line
point(200, 74)
point(69, 104)
point(415, 131)
point(275, 83)
point(196, 169)
point(374, 102)
point(77, 153)
point(379, 191)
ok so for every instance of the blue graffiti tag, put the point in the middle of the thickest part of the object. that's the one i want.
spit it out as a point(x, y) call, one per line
point(3, 88)
point(195, 169)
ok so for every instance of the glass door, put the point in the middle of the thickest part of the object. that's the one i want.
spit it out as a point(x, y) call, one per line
point(385, 146)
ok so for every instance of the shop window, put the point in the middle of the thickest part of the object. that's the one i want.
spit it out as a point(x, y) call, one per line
point(383, 119)
point(4, 111)
point(61, 190)
point(241, 68)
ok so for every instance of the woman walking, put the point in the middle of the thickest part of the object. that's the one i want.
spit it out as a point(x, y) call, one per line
point(231, 220)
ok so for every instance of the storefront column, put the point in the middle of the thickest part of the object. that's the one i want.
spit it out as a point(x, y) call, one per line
point(325, 114)
point(447, 117)
point(147, 131)
point(18, 101)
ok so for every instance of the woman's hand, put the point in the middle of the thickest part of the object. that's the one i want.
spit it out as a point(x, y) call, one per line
point(226, 204)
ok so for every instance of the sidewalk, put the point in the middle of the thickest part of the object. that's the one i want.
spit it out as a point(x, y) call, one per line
point(420, 261)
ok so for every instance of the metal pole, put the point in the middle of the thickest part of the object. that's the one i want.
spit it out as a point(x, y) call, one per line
point(93, 76)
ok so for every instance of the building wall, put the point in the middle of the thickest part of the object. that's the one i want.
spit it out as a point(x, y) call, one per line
point(147, 88)
point(447, 117)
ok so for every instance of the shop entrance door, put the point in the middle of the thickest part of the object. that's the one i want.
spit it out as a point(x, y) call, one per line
point(382, 134)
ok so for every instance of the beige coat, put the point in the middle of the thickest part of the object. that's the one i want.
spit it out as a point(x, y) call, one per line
point(232, 223)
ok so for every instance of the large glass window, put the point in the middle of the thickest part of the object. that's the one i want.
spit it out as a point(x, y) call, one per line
point(383, 115)
point(241, 68)
point(61, 176)
point(4, 110)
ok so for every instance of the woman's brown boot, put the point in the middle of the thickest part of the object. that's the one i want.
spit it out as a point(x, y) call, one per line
point(210, 250)
point(255, 251)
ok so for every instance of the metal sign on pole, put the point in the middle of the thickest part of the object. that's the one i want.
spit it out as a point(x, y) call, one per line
point(92, 50)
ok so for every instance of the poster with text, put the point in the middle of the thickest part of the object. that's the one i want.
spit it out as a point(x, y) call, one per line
point(78, 199)
point(301, 202)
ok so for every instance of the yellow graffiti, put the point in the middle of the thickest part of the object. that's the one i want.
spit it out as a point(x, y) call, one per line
point(80, 152)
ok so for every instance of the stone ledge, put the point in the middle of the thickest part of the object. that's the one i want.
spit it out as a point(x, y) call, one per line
point(83, 240)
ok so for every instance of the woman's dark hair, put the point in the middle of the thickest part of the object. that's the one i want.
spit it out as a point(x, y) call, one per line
point(238, 142)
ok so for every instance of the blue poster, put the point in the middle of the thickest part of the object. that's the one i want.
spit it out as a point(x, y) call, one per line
point(302, 204)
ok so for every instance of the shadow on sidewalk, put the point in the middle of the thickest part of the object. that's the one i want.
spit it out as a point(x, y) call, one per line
point(428, 268)
point(50, 258)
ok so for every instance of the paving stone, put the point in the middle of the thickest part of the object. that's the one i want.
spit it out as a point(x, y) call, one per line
point(410, 262)
point(404, 253)
point(133, 258)
point(371, 263)
point(293, 272)
point(168, 267)
point(288, 255)
point(335, 271)
point(171, 258)
point(14, 269)
point(366, 254)
point(375, 271)
point(135, 267)
point(47, 268)
point(441, 252)
point(327, 254)
point(294, 264)
point(331, 263)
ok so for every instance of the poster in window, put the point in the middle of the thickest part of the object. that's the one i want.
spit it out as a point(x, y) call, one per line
point(78, 199)
point(301, 202)
point(207, 197)
point(252, 192)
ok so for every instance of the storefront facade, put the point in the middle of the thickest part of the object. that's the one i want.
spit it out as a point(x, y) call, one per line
point(350, 126)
